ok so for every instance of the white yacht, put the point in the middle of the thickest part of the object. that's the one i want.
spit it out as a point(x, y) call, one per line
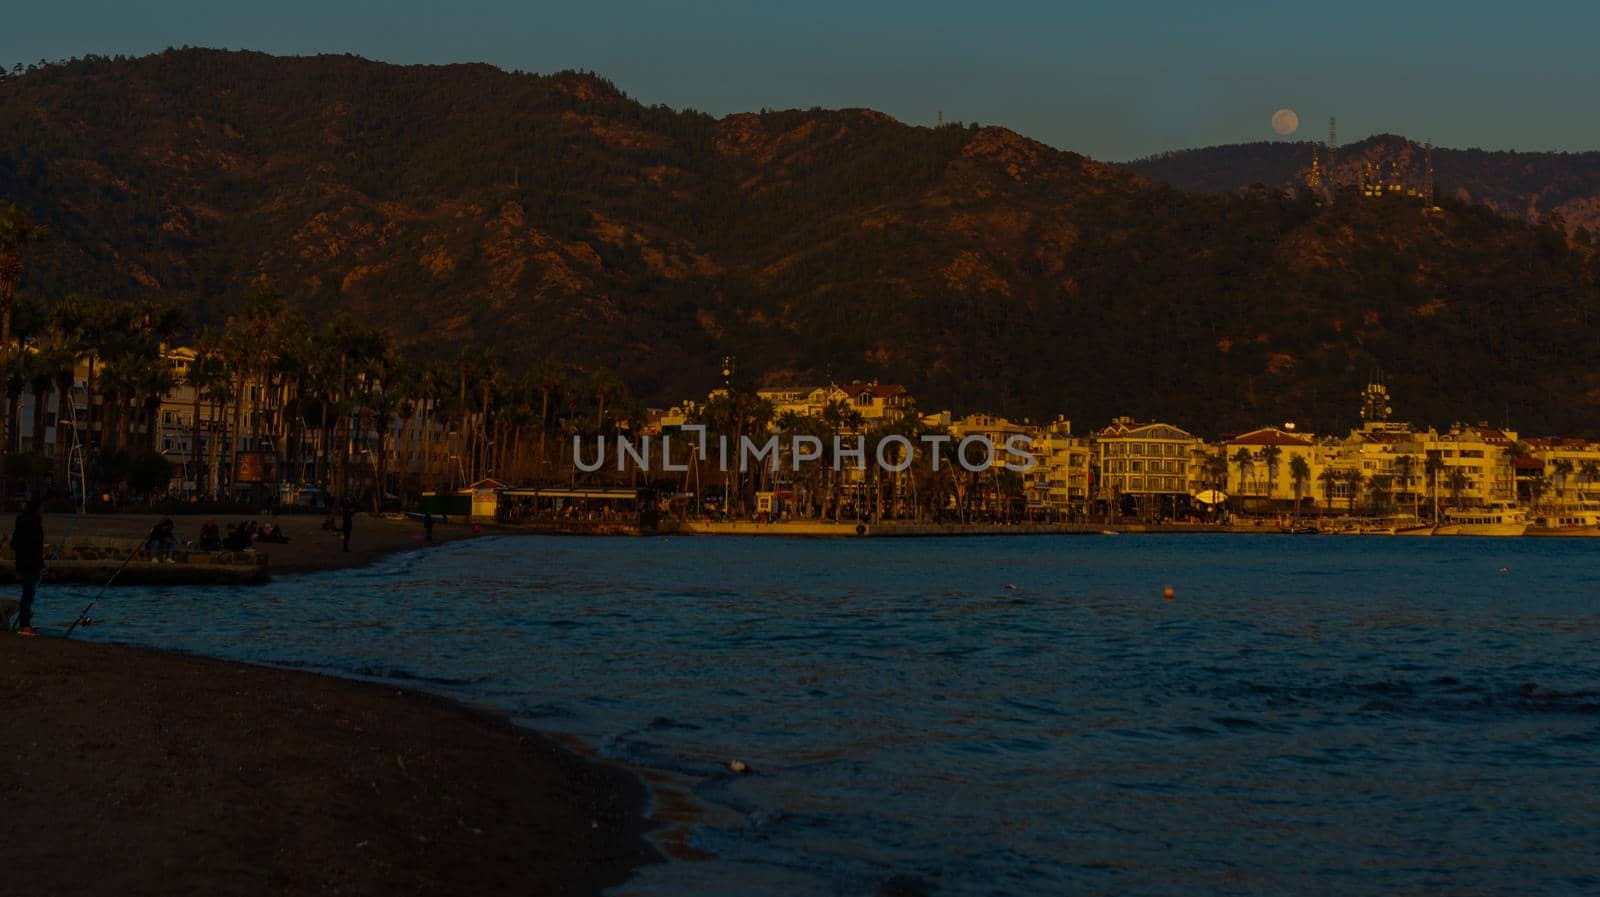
point(1581, 519)
point(1500, 518)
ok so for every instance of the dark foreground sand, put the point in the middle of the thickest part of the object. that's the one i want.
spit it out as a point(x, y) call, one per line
point(127, 772)
point(309, 548)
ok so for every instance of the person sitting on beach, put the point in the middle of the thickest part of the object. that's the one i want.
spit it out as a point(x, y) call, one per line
point(238, 539)
point(161, 538)
point(210, 539)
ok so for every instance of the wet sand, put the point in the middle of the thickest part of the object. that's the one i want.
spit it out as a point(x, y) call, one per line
point(127, 771)
point(309, 547)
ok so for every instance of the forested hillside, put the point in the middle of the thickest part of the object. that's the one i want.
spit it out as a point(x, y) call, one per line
point(554, 217)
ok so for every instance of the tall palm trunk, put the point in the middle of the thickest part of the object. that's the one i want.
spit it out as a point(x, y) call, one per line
point(194, 437)
point(233, 433)
point(214, 444)
point(64, 418)
point(41, 390)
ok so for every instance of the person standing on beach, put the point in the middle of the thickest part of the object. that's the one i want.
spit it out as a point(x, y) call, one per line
point(427, 524)
point(349, 524)
point(27, 540)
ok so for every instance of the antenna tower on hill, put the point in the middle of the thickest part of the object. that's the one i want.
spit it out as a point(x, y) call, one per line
point(1427, 184)
point(1333, 149)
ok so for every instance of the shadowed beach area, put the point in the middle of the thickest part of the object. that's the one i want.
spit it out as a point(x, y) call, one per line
point(127, 771)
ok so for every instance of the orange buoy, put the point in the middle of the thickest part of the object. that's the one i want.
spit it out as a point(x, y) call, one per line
point(1168, 593)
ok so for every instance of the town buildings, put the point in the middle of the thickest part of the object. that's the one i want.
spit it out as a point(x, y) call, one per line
point(1148, 469)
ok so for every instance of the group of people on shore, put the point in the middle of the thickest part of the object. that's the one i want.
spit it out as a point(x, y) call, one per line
point(240, 536)
point(27, 543)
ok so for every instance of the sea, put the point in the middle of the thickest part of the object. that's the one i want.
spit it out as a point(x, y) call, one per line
point(1021, 715)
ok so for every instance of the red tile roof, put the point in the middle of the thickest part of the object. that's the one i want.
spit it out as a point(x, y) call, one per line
point(1271, 436)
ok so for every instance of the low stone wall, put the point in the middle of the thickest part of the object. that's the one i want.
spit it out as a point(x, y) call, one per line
point(95, 560)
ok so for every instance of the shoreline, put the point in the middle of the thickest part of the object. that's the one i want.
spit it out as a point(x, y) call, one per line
point(179, 772)
point(310, 549)
point(821, 529)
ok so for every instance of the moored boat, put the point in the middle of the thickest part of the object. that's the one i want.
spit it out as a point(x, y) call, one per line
point(1577, 520)
point(1494, 519)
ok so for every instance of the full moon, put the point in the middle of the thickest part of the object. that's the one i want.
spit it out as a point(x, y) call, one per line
point(1284, 121)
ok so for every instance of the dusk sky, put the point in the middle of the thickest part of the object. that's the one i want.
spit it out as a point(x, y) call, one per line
point(1113, 80)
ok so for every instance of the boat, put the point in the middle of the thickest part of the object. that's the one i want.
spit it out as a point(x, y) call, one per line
point(1499, 518)
point(1582, 519)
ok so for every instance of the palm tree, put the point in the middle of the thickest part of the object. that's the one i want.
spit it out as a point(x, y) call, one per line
point(1456, 481)
point(1327, 478)
point(547, 377)
point(604, 384)
point(1588, 473)
point(207, 373)
point(54, 357)
point(1246, 462)
point(1216, 470)
point(17, 233)
point(1269, 459)
point(1354, 480)
point(1562, 469)
point(71, 318)
point(1515, 453)
point(1404, 467)
point(1431, 468)
point(1378, 490)
point(1299, 476)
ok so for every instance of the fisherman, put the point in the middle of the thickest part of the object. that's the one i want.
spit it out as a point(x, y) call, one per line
point(27, 540)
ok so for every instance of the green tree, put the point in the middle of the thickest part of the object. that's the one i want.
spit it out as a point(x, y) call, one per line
point(1588, 475)
point(1561, 470)
point(1404, 469)
point(1300, 477)
point(1270, 456)
point(1246, 463)
point(1456, 482)
point(1432, 467)
point(1328, 478)
point(17, 234)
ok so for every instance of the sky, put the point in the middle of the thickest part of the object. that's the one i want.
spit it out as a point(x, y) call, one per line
point(1116, 81)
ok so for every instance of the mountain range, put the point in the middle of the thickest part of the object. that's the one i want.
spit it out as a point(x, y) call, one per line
point(552, 216)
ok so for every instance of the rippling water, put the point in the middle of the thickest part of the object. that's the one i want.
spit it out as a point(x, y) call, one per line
point(1311, 715)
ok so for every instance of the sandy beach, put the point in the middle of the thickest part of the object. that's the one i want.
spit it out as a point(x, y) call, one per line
point(127, 771)
point(309, 547)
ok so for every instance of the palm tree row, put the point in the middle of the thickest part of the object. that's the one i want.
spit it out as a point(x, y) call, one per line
point(329, 405)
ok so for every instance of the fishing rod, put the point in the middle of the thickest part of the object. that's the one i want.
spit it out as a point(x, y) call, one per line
point(84, 616)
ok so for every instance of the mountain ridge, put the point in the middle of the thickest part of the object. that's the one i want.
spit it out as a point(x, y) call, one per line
point(1530, 185)
point(552, 216)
